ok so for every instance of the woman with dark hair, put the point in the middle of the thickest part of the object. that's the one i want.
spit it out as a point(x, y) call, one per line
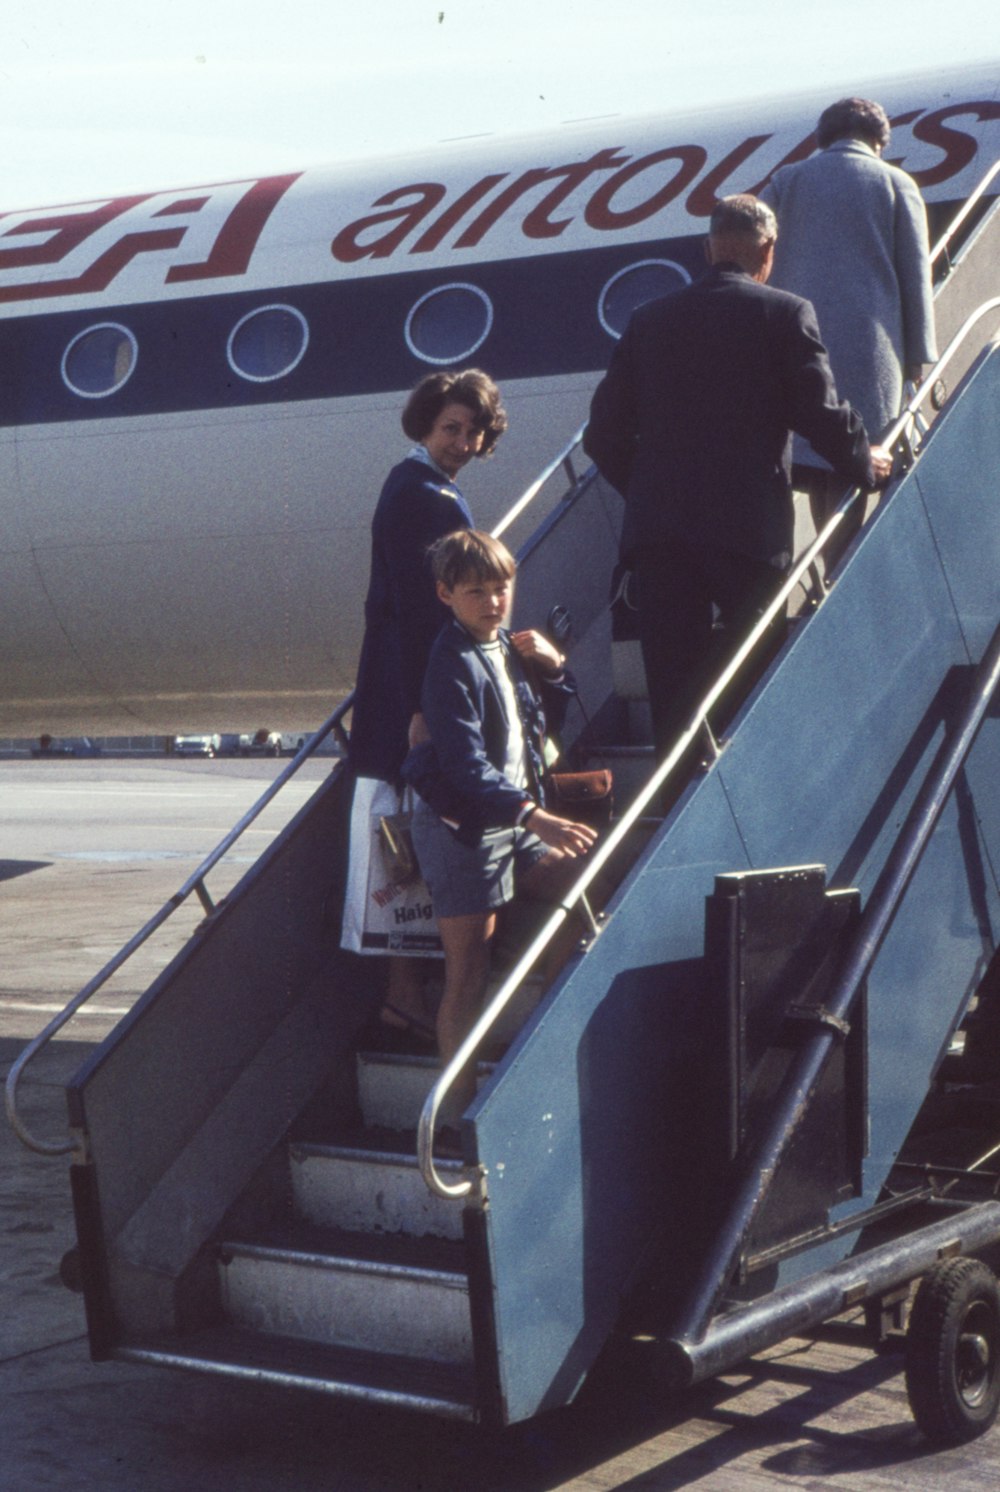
point(452, 418)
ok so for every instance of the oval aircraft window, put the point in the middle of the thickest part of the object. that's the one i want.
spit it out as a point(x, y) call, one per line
point(633, 286)
point(267, 343)
point(99, 360)
point(449, 323)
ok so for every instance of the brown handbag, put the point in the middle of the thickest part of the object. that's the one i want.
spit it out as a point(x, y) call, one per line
point(584, 797)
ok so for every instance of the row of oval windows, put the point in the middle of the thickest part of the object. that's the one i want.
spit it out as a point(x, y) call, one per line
point(445, 326)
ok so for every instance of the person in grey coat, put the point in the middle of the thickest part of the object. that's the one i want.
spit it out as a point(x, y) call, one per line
point(853, 240)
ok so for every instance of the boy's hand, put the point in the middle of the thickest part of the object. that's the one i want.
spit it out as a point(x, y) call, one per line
point(561, 834)
point(534, 645)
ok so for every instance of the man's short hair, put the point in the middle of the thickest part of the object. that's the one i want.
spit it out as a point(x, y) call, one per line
point(853, 119)
point(743, 216)
point(470, 554)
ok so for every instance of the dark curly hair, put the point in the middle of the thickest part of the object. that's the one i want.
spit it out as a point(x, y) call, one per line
point(473, 388)
point(853, 119)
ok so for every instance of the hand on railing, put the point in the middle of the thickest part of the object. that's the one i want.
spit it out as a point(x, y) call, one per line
point(561, 834)
point(881, 460)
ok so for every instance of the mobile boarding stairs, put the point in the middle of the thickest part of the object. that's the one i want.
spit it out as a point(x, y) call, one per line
point(765, 1090)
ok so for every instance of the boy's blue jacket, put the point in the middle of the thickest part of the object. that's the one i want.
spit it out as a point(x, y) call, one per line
point(459, 772)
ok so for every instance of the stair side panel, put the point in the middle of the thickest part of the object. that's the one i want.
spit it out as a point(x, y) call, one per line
point(585, 1131)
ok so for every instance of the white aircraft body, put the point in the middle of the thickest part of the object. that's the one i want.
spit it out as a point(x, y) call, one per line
point(201, 387)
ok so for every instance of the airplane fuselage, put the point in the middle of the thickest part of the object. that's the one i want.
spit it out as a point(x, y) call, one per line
point(201, 387)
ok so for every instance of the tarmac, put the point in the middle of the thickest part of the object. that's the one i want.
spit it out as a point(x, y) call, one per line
point(89, 850)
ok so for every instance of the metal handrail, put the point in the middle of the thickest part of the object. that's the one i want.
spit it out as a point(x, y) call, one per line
point(697, 728)
point(196, 882)
point(563, 460)
point(963, 213)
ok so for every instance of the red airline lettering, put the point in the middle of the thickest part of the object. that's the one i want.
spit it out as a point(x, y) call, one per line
point(538, 223)
point(230, 254)
point(600, 214)
point(958, 147)
point(347, 246)
point(446, 222)
point(702, 201)
point(240, 232)
point(66, 232)
point(611, 207)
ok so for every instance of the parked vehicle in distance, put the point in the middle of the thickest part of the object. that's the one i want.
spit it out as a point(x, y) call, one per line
point(196, 745)
point(262, 743)
point(47, 747)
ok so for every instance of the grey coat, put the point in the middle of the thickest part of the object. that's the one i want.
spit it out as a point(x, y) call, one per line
point(852, 238)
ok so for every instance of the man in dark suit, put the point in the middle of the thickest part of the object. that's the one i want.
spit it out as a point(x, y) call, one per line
point(692, 424)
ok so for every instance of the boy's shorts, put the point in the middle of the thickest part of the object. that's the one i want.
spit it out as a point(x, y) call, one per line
point(467, 880)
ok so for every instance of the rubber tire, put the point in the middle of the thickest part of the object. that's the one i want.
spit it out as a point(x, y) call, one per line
point(953, 1352)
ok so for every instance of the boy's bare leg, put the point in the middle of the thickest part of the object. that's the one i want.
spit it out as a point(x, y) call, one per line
point(466, 943)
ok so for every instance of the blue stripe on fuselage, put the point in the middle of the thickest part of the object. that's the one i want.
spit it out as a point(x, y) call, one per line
point(545, 323)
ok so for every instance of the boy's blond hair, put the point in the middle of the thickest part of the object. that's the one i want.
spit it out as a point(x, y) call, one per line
point(470, 554)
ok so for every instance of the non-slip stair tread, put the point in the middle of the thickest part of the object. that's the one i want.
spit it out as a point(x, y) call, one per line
point(402, 1250)
point(392, 1146)
point(399, 1059)
point(447, 1388)
point(621, 752)
point(403, 1059)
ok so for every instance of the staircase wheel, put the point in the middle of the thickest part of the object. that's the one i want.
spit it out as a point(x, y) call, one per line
point(953, 1352)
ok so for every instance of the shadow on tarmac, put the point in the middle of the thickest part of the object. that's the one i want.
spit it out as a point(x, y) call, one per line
point(11, 869)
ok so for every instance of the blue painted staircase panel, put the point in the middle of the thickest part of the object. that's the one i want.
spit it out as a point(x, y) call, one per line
point(585, 1131)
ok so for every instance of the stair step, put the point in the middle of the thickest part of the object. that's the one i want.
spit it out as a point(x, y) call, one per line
point(400, 1250)
point(392, 1088)
point(631, 767)
point(521, 1005)
point(405, 1296)
point(620, 753)
point(342, 1372)
point(361, 1188)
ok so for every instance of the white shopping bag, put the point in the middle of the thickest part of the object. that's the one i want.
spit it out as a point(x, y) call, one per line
point(381, 915)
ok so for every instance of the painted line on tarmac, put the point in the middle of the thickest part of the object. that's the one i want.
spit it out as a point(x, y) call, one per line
point(123, 857)
point(115, 790)
point(51, 1009)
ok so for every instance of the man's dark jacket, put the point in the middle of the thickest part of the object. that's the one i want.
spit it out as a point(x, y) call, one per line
point(691, 421)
